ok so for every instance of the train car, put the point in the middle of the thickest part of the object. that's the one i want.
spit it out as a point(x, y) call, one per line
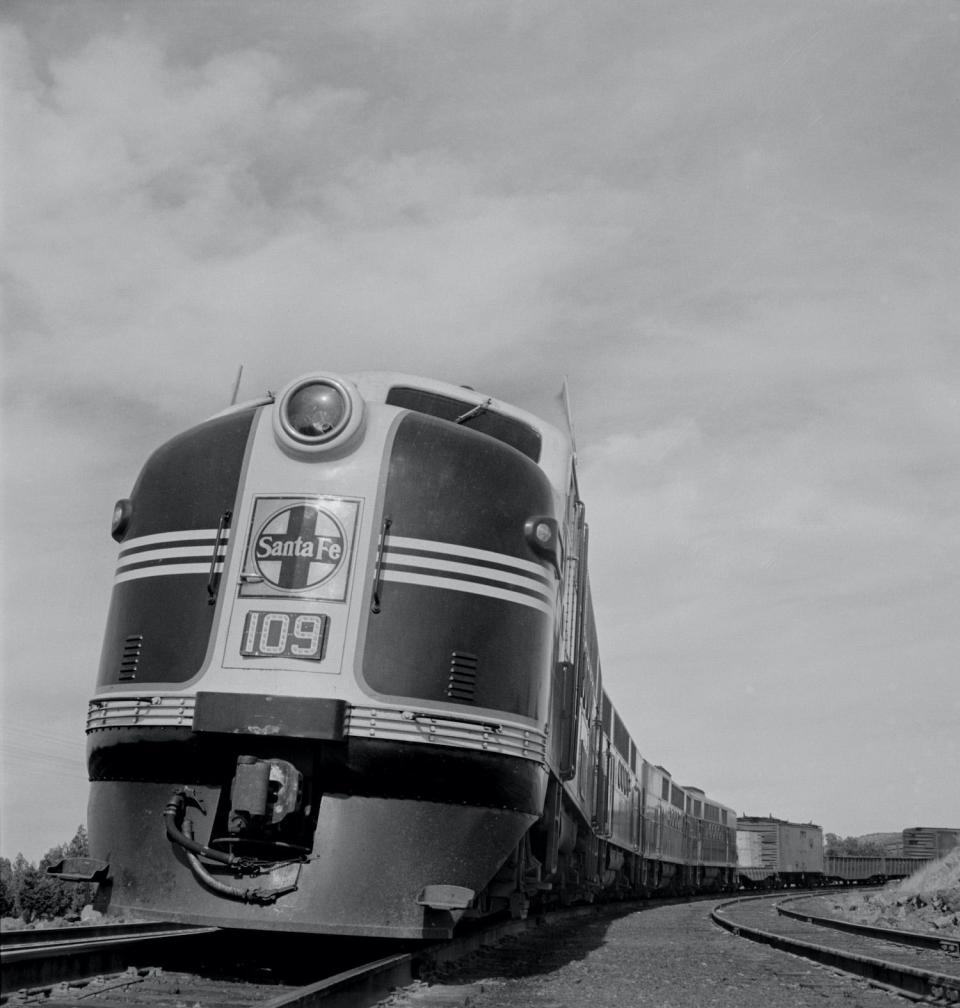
point(715, 841)
point(930, 841)
point(869, 869)
point(350, 680)
point(773, 852)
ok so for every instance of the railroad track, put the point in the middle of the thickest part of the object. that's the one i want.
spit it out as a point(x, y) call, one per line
point(922, 968)
point(159, 965)
point(32, 958)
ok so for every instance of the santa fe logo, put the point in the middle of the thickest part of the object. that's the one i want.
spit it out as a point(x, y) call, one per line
point(299, 547)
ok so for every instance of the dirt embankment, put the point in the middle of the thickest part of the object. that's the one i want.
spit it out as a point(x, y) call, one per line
point(928, 901)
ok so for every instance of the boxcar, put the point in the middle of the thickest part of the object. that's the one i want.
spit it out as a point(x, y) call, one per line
point(776, 852)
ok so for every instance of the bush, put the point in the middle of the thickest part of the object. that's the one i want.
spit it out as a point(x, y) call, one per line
point(8, 896)
point(28, 892)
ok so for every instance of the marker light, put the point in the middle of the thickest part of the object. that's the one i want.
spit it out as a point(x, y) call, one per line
point(543, 532)
point(121, 518)
point(316, 412)
point(543, 536)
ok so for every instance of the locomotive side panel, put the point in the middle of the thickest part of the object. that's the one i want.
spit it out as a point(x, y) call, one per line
point(455, 508)
point(175, 534)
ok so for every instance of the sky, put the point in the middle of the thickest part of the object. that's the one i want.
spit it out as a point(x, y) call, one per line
point(734, 227)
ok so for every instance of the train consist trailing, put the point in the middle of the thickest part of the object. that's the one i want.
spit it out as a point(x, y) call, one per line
point(773, 852)
point(350, 680)
point(926, 842)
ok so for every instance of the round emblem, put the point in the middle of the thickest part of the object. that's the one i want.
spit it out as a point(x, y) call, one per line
point(299, 547)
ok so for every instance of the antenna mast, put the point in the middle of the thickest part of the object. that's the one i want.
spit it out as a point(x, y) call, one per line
point(236, 386)
point(568, 413)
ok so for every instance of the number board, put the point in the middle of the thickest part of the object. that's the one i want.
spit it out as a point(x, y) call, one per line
point(284, 635)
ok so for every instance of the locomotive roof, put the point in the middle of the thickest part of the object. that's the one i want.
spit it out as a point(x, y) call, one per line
point(556, 450)
point(556, 455)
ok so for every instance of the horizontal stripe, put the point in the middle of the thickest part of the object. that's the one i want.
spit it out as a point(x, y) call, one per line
point(471, 578)
point(173, 544)
point(469, 552)
point(470, 587)
point(489, 567)
point(174, 536)
point(148, 555)
point(491, 574)
point(165, 570)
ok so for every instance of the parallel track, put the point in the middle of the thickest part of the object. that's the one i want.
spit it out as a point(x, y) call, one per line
point(874, 954)
point(918, 939)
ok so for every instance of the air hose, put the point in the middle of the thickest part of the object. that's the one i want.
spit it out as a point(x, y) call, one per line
point(180, 833)
point(173, 819)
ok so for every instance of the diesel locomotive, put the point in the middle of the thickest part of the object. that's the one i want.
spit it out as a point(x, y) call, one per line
point(350, 680)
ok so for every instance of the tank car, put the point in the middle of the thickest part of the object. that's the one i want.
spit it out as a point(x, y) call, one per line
point(350, 680)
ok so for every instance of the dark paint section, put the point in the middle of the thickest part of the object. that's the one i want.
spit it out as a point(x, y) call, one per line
point(186, 484)
point(371, 859)
point(255, 714)
point(513, 432)
point(370, 767)
point(451, 485)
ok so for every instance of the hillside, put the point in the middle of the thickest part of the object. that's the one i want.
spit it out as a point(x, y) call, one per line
point(927, 901)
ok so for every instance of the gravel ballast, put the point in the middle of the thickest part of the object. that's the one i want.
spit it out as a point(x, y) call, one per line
point(666, 956)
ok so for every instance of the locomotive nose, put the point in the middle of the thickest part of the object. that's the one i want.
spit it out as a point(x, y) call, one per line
point(318, 414)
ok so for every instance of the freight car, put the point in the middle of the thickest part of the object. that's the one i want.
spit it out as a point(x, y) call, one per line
point(869, 869)
point(773, 852)
point(930, 841)
point(350, 681)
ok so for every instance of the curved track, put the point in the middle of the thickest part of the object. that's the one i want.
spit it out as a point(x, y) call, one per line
point(879, 955)
point(918, 939)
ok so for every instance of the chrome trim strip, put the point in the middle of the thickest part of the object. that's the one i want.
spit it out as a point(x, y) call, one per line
point(138, 711)
point(411, 725)
point(433, 727)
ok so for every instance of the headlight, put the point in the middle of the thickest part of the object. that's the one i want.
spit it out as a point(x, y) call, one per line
point(317, 412)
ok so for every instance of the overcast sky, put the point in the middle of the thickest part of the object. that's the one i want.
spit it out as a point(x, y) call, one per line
point(735, 226)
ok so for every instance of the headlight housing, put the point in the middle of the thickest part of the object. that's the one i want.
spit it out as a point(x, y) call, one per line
point(317, 413)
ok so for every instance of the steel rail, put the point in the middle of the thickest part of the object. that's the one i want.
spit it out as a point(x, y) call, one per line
point(33, 958)
point(917, 939)
point(913, 982)
point(26, 944)
point(363, 985)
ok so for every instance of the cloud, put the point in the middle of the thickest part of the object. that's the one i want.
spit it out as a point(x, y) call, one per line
point(733, 229)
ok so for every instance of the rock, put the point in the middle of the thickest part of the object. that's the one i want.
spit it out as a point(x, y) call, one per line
point(90, 916)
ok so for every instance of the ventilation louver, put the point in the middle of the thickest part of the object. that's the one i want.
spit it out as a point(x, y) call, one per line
point(462, 682)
